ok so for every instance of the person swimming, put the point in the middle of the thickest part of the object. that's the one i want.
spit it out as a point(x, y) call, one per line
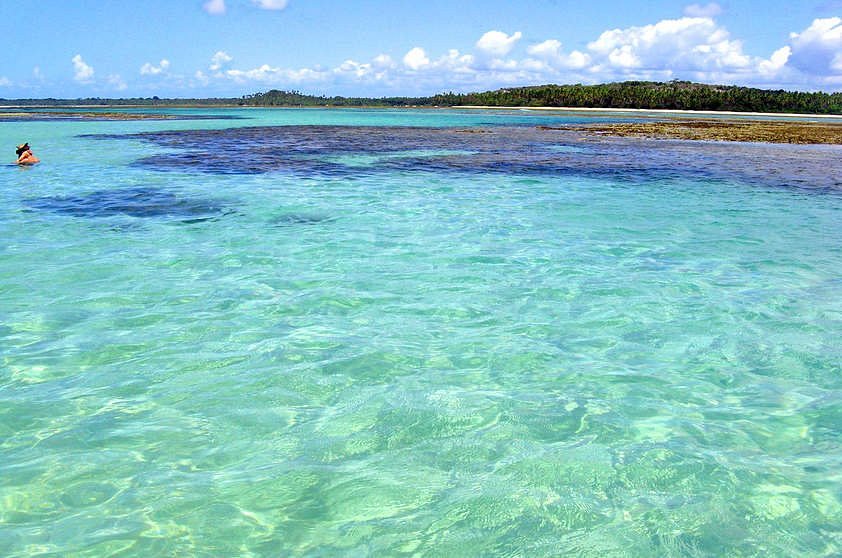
point(25, 155)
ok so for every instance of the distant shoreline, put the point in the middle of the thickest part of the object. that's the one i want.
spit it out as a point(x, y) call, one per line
point(685, 98)
point(588, 110)
point(658, 111)
point(705, 125)
point(150, 107)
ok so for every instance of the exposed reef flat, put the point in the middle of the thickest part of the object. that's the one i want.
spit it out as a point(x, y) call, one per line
point(724, 130)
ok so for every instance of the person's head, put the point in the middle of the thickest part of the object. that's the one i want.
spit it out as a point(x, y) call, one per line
point(21, 148)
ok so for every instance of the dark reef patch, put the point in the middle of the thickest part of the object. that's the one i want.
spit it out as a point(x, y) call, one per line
point(346, 151)
point(292, 219)
point(134, 202)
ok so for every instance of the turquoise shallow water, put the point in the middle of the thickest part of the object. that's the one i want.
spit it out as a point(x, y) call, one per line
point(422, 343)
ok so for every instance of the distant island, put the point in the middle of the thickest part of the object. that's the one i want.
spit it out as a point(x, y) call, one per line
point(673, 95)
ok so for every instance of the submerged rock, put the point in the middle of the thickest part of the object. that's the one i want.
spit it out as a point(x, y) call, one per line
point(134, 202)
point(291, 219)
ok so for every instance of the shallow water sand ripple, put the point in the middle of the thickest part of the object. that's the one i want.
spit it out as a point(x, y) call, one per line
point(551, 346)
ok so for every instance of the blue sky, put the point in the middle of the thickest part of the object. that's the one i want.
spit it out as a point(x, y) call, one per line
point(200, 48)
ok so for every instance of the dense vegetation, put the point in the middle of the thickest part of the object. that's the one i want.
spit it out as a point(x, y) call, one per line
point(277, 98)
point(675, 95)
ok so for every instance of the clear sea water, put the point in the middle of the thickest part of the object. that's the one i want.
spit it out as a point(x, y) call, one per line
point(416, 333)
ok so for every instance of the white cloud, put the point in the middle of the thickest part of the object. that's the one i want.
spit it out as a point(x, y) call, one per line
point(4, 81)
point(37, 74)
point(263, 73)
point(811, 60)
point(274, 76)
point(416, 59)
point(271, 4)
point(698, 10)
point(690, 44)
point(383, 61)
point(456, 62)
point(818, 49)
point(548, 49)
point(693, 48)
point(219, 60)
point(214, 7)
point(115, 81)
point(777, 61)
point(81, 71)
point(354, 68)
point(551, 54)
point(577, 60)
point(497, 43)
point(150, 70)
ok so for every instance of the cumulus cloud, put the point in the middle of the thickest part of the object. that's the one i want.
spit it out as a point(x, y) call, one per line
point(384, 61)
point(82, 72)
point(694, 48)
point(550, 52)
point(497, 43)
point(687, 48)
point(818, 49)
point(775, 62)
point(262, 73)
point(151, 70)
point(219, 60)
point(455, 61)
point(698, 10)
point(214, 7)
point(673, 45)
point(811, 60)
point(271, 4)
point(354, 68)
point(416, 59)
point(548, 49)
point(274, 76)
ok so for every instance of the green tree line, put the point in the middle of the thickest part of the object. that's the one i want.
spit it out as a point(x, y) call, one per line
point(674, 95)
point(276, 98)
